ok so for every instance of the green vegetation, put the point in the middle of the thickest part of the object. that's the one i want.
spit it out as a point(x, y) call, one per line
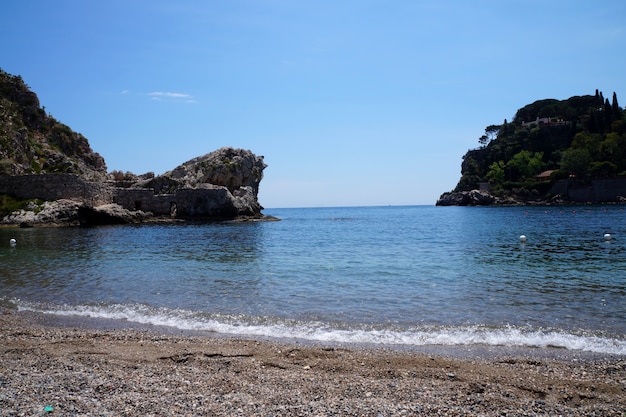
point(9, 204)
point(583, 138)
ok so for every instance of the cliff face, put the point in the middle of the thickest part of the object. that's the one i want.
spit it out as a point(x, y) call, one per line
point(32, 142)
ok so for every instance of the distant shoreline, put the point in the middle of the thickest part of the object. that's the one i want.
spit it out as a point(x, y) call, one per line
point(562, 192)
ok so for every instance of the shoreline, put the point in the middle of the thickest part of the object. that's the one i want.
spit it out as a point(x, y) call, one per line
point(128, 370)
point(460, 351)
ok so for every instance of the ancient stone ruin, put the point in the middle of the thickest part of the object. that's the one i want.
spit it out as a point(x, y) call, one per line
point(220, 185)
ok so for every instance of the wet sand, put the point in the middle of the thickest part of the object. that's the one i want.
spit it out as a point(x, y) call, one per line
point(78, 371)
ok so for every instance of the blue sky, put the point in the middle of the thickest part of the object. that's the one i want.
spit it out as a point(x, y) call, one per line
point(354, 102)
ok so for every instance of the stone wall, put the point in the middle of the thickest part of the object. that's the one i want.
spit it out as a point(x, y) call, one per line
point(598, 191)
point(211, 201)
point(208, 201)
point(144, 199)
point(204, 201)
point(52, 187)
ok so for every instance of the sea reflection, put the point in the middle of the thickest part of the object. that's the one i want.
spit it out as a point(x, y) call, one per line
point(160, 264)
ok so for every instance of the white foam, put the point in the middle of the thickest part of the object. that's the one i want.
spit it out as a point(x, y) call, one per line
point(509, 336)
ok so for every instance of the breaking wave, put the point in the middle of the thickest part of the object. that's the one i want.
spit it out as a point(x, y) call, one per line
point(315, 331)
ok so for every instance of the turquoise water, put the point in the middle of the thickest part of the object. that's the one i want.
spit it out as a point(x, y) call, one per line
point(409, 276)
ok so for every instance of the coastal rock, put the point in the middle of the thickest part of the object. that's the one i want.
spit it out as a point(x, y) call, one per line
point(229, 167)
point(223, 183)
point(246, 201)
point(50, 213)
point(466, 198)
point(109, 214)
point(72, 213)
point(453, 199)
point(184, 193)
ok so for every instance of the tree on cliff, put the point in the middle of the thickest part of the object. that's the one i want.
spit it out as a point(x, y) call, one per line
point(615, 107)
point(491, 132)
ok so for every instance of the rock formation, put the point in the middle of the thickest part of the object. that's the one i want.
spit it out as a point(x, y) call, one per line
point(44, 161)
point(72, 213)
point(237, 171)
point(466, 198)
point(228, 167)
point(49, 213)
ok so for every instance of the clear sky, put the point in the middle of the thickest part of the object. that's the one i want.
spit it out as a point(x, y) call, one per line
point(352, 102)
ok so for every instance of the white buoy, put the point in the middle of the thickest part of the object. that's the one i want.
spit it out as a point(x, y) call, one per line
point(522, 238)
point(12, 242)
point(607, 236)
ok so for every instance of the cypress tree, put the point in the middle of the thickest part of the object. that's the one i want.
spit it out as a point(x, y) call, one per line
point(592, 123)
point(615, 106)
point(608, 114)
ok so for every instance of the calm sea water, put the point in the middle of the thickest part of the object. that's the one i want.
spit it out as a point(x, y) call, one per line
point(410, 276)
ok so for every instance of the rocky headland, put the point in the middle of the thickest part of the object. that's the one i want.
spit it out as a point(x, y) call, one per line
point(50, 176)
point(569, 151)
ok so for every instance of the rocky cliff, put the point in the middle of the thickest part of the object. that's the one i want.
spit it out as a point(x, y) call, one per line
point(32, 142)
point(42, 160)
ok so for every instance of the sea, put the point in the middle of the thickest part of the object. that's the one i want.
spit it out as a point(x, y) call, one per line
point(406, 277)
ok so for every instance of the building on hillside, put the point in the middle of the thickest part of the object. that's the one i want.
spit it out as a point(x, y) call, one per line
point(547, 121)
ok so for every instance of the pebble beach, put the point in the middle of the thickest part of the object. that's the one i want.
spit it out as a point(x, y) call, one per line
point(75, 371)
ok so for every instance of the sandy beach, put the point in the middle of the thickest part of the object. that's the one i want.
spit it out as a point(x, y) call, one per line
point(77, 371)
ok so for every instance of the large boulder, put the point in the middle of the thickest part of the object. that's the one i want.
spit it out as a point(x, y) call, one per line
point(466, 198)
point(110, 214)
point(50, 213)
point(229, 167)
point(223, 183)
